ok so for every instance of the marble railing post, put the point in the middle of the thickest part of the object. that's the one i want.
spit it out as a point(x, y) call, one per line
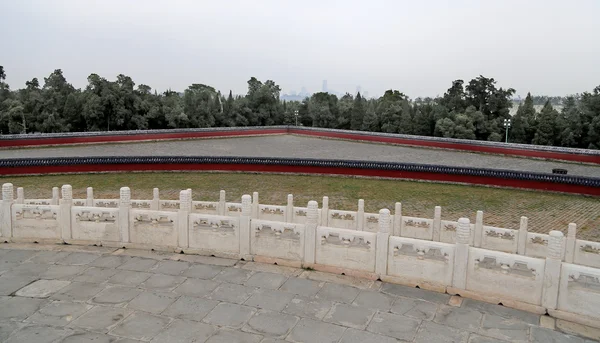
point(360, 215)
point(522, 240)
point(382, 245)
point(310, 233)
point(571, 243)
point(325, 212)
point(20, 195)
point(182, 218)
point(552, 270)
point(155, 205)
point(55, 196)
point(397, 219)
point(124, 209)
point(65, 211)
point(6, 212)
point(437, 223)
point(222, 207)
point(245, 225)
point(289, 209)
point(89, 199)
point(461, 253)
point(478, 229)
point(255, 205)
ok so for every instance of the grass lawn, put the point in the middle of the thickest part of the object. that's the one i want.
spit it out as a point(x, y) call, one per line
point(502, 207)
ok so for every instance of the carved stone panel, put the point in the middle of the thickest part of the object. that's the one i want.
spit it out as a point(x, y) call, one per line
point(153, 227)
point(89, 223)
point(32, 221)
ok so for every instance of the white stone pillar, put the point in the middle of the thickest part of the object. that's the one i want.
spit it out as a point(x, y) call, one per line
point(55, 196)
point(222, 206)
point(478, 229)
point(461, 253)
point(522, 240)
point(155, 205)
point(437, 223)
point(245, 225)
point(255, 205)
point(382, 246)
point(65, 211)
point(89, 199)
point(20, 195)
point(325, 212)
point(360, 215)
point(310, 232)
point(182, 218)
point(571, 243)
point(289, 209)
point(6, 211)
point(124, 208)
point(552, 270)
point(397, 219)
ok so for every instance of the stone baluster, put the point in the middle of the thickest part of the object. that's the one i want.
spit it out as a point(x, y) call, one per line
point(325, 212)
point(55, 196)
point(478, 229)
point(571, 243)
point(522, 240)
point(255, 205)
point(6, 212)
point(382, 246)
point(245, 226)
point(310, 233)
point(20, 195)
point(124, 209)
point(65, 211)
point(222, 208)
point(552, 270)
point(155, 205)
point(360, 215)
point(397, 219)
point(89, 200)
point(437, 223)
point(289, 209)
point(182, 218)
point(461, 253)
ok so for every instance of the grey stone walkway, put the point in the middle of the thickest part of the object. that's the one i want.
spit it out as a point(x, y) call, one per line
point(306, 147)
point(65, 293)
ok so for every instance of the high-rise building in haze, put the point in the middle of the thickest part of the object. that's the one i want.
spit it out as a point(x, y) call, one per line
point(324, 86)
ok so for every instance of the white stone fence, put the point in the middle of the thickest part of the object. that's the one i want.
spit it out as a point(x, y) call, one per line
point(456, 259)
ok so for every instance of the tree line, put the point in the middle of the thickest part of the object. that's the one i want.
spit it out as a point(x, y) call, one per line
point(473, 110)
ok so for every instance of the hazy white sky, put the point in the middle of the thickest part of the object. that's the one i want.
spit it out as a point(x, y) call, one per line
point(543, 46)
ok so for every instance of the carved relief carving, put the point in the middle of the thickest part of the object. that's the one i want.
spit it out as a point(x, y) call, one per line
point(154, 220)
point(214, 225)
point(350, 241)
point(587, 281)
point(274, 211)
point(496, 234)
point(113, 203)
point(518, 268)
point(36, 213)
point(234, 208)
point(421, 224)
point(450, 227)
point(421, 253)
point(590, 249)
point(372, 219)
point(301, 213)
point(347, 216)
point(281, 232)
point(37, 202)
point(173, 205)
point(93, 216)
point(208, 207)
point(539, 240)
point(81, 203)
point(140, 204)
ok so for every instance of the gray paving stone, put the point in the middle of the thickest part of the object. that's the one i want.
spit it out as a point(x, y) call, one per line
point(191, 308)
point(116, 296)
point(49, 257)
point(7, 328)
point(266, 280)
point(230, 315)
point(62, 272)
point(414, 308)
point(270, 323)
point(482, 339)
point(269, 299)
point(17, 308)
point(11, 284)
point(110, 261)
point(202, 271)
point(412, 292)
point(78, 259)
point(308, 330)
point(359, 336)
point(233, 275)
point(308, 307)
point(435, 333)
point(350, 316)
point(509, 329)
point(393, 325)
point(232, 293)
point(152, 302)
point(59, 313)
point(229, 336)
point(39, 334)
point(140, 325)
point(196, 287)
point(304, 287)
point(42, 288)
point(338, 293)
point(18, 256)
point(96, 275)
point(129, 278)
point(184, 331)
point(163, 282)
point(169, 267)
point(138, 264)
point(373, 300)
point(457, 317)
point(26, 269)
point(101, 318)
point(7, 266)
point(506, 312)
point(272, 340)
point(78, 291)
point(91, 337)
point(542, 335)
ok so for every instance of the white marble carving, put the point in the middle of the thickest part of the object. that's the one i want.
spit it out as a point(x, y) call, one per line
point(536, 245)
point(271, 212)
point(95, 224)
point(346, 248)
point(448, 232)
point(205, 207)
point(277, 239)
point(419, 228)
point(233, 209)
point(500, 239)
point(141, 204)
point(343, 219)
point(587, 253)
point(579, 290)
point(109, 203)
point(169, 205)
point(212, 233)
point(158, 228)
point(36, 222)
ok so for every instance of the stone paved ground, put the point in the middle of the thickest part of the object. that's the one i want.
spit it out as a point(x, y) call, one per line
point(91, 294)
